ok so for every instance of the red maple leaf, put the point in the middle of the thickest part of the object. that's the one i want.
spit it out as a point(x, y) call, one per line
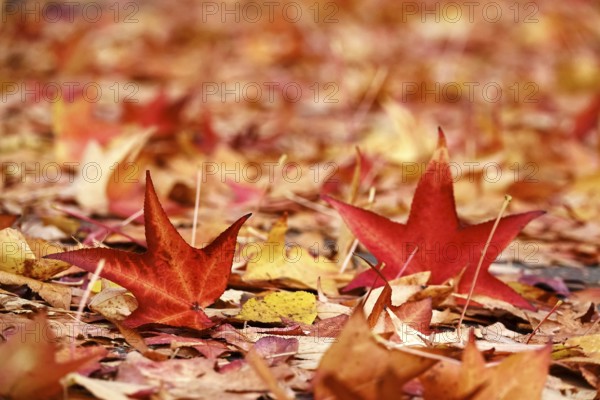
point(172, 280)
point(445, 246)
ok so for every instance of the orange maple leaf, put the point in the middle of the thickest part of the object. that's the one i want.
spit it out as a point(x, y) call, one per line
point(172, 280)
point(445, 246)
point(357, 366)
point(520, 376)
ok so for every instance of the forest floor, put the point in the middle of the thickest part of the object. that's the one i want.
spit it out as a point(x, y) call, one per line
point(320, 118)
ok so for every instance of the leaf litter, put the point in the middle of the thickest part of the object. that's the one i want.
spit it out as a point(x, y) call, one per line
point(287, 303)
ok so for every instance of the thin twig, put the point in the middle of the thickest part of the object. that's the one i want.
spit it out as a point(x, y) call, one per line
point(507, 200)
point(98, 223)
point(270, 182)
point(399, 274)
point(86, 295)
point(368, 99)
point(309, 204)
point(349, 256)
point(196, 205)
point(286, 354)
point(425, 354)
point(132, 217)
point(355, 241)
point(558, 304)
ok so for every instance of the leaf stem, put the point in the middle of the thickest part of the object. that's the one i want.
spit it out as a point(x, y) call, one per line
point(261, 368)
point(109, 228)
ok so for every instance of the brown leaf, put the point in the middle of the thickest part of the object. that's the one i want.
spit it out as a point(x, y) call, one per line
point(56, 295)
point(416, 314)
point(455, 381)
point(276, 350)
point(520, 376)
point(359, 365)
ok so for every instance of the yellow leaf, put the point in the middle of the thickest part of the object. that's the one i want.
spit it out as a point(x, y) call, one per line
point(103, 284)
point(590, 344)
point(297, 306)
point(15, 251)
point(18, 255)
point(294, 266)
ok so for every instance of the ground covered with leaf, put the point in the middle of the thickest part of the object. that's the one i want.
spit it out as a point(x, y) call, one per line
point(300, 199)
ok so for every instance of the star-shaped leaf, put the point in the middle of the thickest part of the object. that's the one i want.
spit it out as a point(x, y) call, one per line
point(443, 244)
point(172, 280)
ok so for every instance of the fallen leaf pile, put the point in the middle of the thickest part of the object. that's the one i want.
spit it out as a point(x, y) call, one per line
point(205, 200)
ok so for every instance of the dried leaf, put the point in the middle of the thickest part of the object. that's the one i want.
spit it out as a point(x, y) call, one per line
point(520, 376)
point(357, 366)
point(56, 295)
point(20, 256)
point(297, 306)
point(300, 270)
point(276, 350)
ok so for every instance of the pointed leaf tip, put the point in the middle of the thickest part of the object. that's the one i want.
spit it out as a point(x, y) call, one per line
point(243, 219)
point(440, 154)
point(149, 180)
point(329, 200)
point(441, 138)
point(335, 203)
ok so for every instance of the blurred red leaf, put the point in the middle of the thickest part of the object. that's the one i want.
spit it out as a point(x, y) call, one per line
point(587, 119)
point(29, 368)
point(6, 220)
point(160, 113)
